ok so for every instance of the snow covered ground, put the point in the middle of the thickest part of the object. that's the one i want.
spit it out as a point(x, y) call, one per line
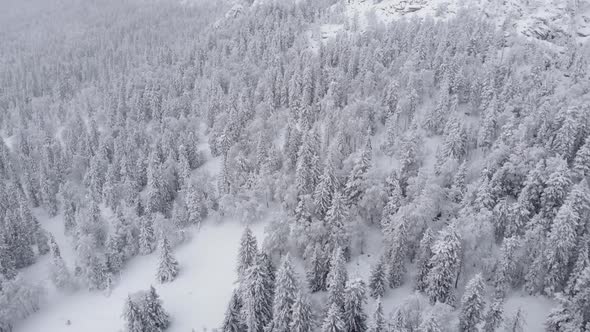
point(197, 299)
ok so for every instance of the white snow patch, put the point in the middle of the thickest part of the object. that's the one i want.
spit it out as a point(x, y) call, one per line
point(196, 299)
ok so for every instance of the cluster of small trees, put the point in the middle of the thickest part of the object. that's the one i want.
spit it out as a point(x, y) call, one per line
point(143, 312)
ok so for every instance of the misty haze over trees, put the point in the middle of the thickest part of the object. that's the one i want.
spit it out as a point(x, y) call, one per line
point(410, 175)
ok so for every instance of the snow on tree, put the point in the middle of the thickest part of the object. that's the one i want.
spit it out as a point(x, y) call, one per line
point(355, 318)
point(256, 297)
point(132, 316)
point(472, 305)
point(325, 189)
point(59, 273)
point(247, 253)
point(334, 321)
point(397, 250)
point(143, 312)
point(378, 323)
point(561, 243)
point(307, 171)
point(378, 279)
point(147, 238)
point(354, 186)
point(582, 160)
point(423, 263)
point(557, 186)
point(507, 269)
point(156, 319)
point(336, 219)
point(336, 279)
point(284, 296)
point(493, 318)
point(233, 320)
point(515, 322)
point(317, 270)
point(168, 266)
point(445, 264)
point(302, 319)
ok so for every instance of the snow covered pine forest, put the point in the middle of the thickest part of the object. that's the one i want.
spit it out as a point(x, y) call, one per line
point(294, 166)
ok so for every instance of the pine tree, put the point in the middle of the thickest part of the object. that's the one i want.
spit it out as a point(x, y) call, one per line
point(378, 279)
point(337, 279)
point(515, 322)
point(335, 221)
point(581, 296)
point(355, 318)
point(493, 317)
point(334, 321)
point(247, 253)
point(257, 298)
point(445, 264)
point(582, 160)
point(284, 297)
point(423, 264)
point(325, 189)
point(561, 243)
point(233, 321)
point(147, 238)
point(60, 276)
point(472, 305)
point(397, 251)
point(378, 322)
point(506, 268)
point(356, 179)
point(557, 186)
point(155, 318)
point(194, 205)
point(301, 321)
point(317, 271)
point(168, 268)
point(134, 321)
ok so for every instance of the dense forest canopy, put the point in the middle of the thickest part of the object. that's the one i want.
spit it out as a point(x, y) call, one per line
point(461, 147)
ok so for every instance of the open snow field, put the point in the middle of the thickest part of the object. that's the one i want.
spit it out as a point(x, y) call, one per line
point(197, 299)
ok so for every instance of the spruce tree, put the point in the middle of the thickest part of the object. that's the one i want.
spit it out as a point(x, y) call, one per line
point(168, 266)
point(355, 318)
point(378, 320)
point(582, 161)
point(301, 320)
point(257, 298)
point(233, 320)
point(493, 317)
point(378, 279)
point(336, 280)
point(472, 305)
point(317, 270)
point(334, 321)
point(445, 264)
point(156, 319)
point(284, 297)
point(423, 263)
point(147, 238)
point(134, 320)
point(247, 253)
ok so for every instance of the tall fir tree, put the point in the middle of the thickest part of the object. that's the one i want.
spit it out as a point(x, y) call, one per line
point(233, 320)
point(302, 319)
point(445, 263)
point(168, 266)
point(247, 252)
point(284, 296)
point(472, 305)
point(355, 318)
point(337, 278)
